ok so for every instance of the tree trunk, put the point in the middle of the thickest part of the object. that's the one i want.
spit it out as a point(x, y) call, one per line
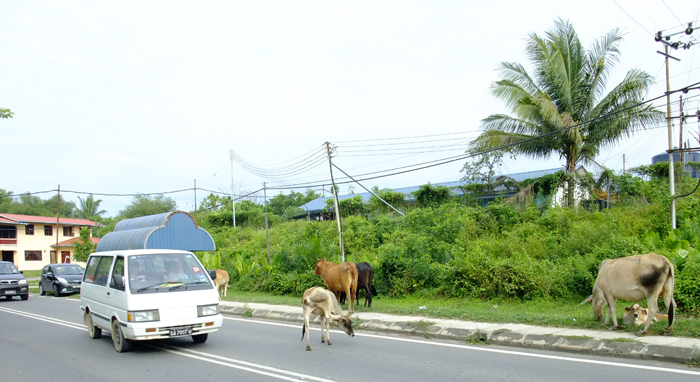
point(570, 182)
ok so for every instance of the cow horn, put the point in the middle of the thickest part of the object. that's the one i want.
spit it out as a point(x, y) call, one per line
point(589, 299)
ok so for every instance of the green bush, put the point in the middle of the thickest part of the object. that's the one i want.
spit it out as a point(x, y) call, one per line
point(687, 288)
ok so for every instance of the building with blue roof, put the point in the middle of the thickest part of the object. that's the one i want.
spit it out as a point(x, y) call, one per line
point(314, 208)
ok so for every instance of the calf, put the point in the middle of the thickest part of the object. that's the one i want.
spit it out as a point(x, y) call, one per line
point(635, 314)
point(221, 281)
point(323, 303)
point(634, 278)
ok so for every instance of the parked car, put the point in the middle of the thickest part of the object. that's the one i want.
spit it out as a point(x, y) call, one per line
point(60, 279)
point(12, 282)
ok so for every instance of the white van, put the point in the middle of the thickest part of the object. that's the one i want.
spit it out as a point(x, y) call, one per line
point(148, 294)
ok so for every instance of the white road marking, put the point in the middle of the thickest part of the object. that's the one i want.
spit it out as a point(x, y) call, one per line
point(202, 356)
point(483, 349)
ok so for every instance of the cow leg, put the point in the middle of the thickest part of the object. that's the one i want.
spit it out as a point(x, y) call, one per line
point(308, 333)
point(652, 309)
point(610, 311)
point(328, 330)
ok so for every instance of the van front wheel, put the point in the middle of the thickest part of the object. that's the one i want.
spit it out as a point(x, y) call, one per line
point(121, 344)
point(200, 338)
point(93, 331)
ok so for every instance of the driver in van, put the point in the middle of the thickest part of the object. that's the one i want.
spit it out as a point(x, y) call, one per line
point(134, 274)
point(175, 273)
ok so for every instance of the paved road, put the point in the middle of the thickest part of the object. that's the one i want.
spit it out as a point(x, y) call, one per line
point(43, 339)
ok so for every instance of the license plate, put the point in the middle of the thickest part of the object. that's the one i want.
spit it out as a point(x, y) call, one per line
point(181, 332)
point(11, 291)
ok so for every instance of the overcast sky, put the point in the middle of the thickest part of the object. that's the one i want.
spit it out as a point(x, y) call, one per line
point(126, 97)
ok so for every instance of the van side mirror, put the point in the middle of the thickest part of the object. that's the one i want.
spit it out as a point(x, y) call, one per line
point(118, 281)
point(212, 274)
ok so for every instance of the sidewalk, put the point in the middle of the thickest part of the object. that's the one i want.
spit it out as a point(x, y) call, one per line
point(597, 342)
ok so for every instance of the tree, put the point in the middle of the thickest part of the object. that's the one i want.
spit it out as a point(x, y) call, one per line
point(5, 113)
point(83, 246)
point(563, 108)
point(89, 208)
point(144, 205)
point(428, 195)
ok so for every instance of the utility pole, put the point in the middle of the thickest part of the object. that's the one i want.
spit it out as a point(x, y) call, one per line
point(54, 258)
point(233, 200)
point(335, 204)
point(675, 45)
point(195, 201)
point(623, 164)
point(267, 228)
point(680, 140)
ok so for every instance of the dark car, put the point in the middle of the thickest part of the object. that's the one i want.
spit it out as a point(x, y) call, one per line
point(60, 279)
point(12, 282)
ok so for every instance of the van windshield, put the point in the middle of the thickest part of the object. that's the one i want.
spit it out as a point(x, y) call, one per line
point(166, 273)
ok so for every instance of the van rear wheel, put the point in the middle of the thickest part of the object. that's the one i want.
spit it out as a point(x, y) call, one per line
point(200, 338)
point(121, 344)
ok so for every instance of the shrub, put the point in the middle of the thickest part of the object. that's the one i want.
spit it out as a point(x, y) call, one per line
point(687, 288)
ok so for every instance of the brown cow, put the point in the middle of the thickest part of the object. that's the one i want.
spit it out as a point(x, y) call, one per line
point(339, 278)
point(634, 278)
point(323, 303)
point(365, 276)
point(221, 281)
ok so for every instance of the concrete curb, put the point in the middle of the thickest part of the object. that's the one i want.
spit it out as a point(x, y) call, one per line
point(619, 344)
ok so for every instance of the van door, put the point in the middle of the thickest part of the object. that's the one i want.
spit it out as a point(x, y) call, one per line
point(95, 291)
point(117, 292)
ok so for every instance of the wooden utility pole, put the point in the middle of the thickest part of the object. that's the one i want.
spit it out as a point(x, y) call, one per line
point(267, 229)
point(335, 203)
point(680, 139)
point(233, 199)
point(671, 175)
point(54, 258)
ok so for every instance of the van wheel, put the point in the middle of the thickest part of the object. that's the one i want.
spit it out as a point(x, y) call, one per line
point(41, 289)
point(200, 338)
point(93, 331)
point(121, 344)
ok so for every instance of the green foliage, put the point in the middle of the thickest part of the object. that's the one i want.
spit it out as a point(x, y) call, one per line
point(89, 209)
point(83, 247)
point(288, 206)
point(6, 113)
point(687, 288)
point(25, 204)
point(144, 205)
point(428, 195)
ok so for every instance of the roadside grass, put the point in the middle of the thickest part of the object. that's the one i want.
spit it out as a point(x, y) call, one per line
point(31, 273)
point(566, 314)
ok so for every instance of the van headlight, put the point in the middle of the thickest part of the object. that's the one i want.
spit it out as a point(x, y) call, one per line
point(207, 310)
point(143, 315)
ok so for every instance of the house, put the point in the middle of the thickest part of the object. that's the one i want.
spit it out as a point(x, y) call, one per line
point(31, 242)
point(314, 208)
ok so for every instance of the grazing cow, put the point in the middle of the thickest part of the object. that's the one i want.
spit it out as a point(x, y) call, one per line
point(324, 304)
point(221, 281)
point(634, 278)
point(365, 276)
point(339, 278)
point(635, 314)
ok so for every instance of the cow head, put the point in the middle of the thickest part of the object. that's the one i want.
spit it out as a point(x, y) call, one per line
point(631, 314)
point(345, 324)
point(319, 264)
point(598, 301)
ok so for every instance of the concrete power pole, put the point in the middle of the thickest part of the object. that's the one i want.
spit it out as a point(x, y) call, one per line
point(233, 199)
point(335, 204)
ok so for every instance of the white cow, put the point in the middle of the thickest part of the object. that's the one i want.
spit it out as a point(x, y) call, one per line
point(634, 278)
point(323, 303)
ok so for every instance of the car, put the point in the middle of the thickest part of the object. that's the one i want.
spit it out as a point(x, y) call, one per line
point(12, 282)
point(61, 279)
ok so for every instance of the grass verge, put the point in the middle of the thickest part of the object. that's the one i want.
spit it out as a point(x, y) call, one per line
point(561, 314)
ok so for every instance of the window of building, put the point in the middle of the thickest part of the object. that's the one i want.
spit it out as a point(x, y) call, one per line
point(8, 232)
point(29, 229)
point(48, 230)
point(32, 255)
point(68, 231)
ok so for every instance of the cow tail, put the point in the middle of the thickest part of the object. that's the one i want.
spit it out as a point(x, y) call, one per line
point(303, 331)
point(671, 278)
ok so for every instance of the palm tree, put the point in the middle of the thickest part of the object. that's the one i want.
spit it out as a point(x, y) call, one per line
point(89, 208)
point(565, 103)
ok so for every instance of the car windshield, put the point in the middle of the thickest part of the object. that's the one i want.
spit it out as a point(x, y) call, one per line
point(166, 273)
point(68, 270)
point(7, 269)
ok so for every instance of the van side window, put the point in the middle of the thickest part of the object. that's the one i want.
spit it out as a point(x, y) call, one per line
point(103, 271)
point(90, 269)
point(118, 271)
